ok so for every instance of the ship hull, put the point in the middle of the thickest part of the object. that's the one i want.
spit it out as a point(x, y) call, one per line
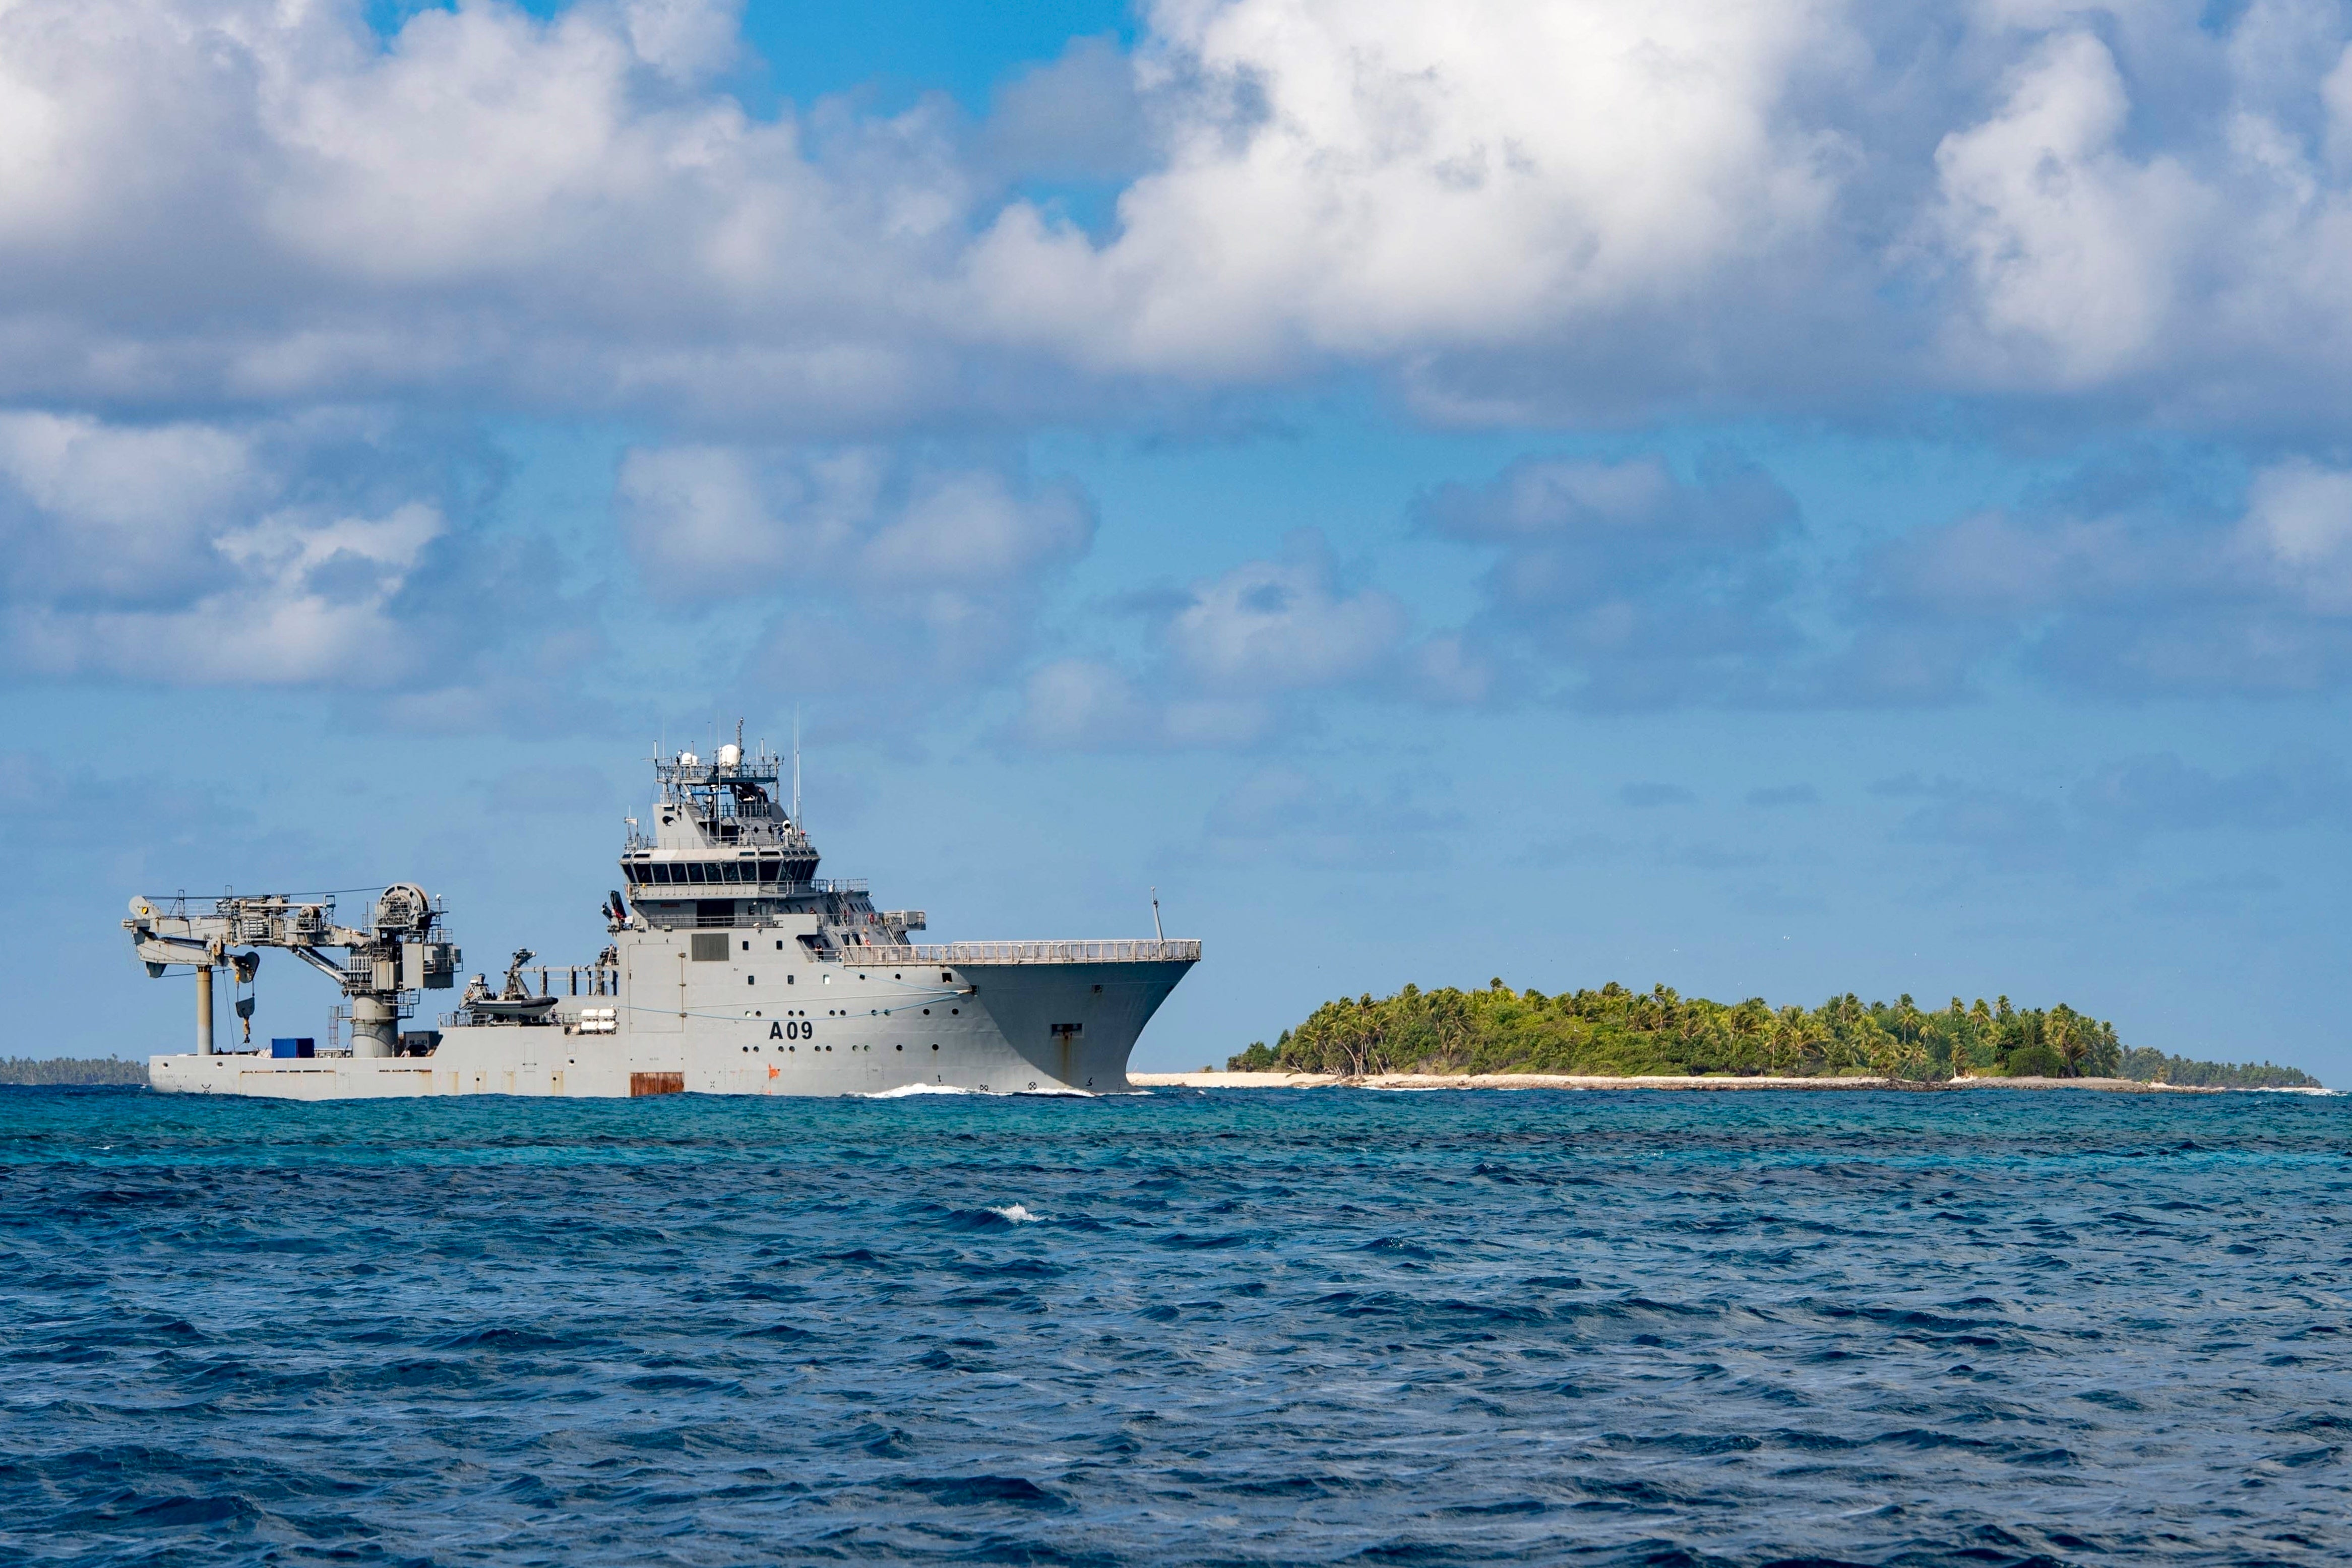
point(766, 1021)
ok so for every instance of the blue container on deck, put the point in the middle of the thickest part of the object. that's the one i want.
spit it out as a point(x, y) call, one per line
point(304, 1047)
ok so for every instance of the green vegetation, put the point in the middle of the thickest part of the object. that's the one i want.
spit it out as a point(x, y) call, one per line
point(2154, 1067)
point(25, 1071)
point(1617, 1031)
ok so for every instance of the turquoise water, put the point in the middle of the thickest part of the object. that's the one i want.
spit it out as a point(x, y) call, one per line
point(1231, 1327)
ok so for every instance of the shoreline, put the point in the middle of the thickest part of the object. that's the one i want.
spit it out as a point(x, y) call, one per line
point(1435, 1081)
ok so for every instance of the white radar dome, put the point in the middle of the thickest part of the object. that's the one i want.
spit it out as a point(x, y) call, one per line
point(688, 759)
point(731, 755)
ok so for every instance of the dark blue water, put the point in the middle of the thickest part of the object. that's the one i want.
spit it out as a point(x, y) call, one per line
point(1243, 1327)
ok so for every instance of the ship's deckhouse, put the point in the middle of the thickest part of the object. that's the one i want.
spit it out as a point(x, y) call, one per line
point(719, 822)
point(721, 850)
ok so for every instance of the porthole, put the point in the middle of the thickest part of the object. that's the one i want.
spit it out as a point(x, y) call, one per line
point(898, 1048)
point(935, 1046)
point(926, 1012)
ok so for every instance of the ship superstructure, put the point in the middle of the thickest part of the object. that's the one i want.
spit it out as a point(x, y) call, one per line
point(730, 967)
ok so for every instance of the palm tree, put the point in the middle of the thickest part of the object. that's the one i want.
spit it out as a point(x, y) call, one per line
point(1749, 1023)
point(2110, 1052)
point(1980, 1028)
point(2069, 1038)
point(1880, 1051)
point(1908, 1021)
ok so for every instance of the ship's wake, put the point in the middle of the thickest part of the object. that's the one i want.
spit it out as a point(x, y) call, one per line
point(906, 1091)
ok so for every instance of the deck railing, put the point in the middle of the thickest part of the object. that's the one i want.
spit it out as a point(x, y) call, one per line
point(952, 953)
point(580, 979)
point(750, 887)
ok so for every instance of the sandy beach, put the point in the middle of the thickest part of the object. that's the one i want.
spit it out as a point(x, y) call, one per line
point(1411, 1080)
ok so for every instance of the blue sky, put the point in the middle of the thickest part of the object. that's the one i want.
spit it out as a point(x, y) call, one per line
point(1772, 500)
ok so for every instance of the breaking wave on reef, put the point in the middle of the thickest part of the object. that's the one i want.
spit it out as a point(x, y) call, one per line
point(1924, 1329)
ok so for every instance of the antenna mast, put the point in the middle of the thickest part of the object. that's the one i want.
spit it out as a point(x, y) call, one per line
point(1155, 916)
point(796, 767)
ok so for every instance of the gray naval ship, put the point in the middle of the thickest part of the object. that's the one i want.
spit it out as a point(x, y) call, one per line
point(731, 968)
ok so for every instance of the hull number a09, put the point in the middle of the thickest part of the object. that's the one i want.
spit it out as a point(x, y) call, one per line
point(793, 1030)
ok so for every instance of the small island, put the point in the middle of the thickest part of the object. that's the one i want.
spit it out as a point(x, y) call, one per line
point(46, 1072)
point(1617, 1033)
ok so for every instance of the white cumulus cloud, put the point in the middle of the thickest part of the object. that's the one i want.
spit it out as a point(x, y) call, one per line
point(924, 575)
point(1235, 653)
point(1511, 208)
point(2074, 249)
point(317, 552)
point(1361, 179)
point(2299, 521)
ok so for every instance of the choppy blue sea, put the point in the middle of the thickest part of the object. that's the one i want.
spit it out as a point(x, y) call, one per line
point(1237, 1327)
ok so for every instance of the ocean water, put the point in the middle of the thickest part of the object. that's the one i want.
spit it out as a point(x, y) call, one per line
point(1235, 1327)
